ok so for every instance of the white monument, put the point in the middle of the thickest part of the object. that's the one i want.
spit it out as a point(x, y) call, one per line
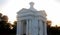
point(31, 22)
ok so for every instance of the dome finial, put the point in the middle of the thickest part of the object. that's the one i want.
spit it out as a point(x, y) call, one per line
point(31, 4)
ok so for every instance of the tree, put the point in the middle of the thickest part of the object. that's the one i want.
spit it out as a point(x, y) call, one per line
point(5, 18)
point(4, 25)
point(15, 26)
point(0, 16)
point(49, 23)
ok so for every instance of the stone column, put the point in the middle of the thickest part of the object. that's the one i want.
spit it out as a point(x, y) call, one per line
point(45, 28)
point(27, 28)
point(18, 28)
point(41, 27)
point(30, 27)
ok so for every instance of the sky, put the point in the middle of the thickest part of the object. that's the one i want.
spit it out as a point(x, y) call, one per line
point(52, 8)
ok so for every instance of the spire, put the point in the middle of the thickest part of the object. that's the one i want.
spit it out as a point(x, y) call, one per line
point(32, 6)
